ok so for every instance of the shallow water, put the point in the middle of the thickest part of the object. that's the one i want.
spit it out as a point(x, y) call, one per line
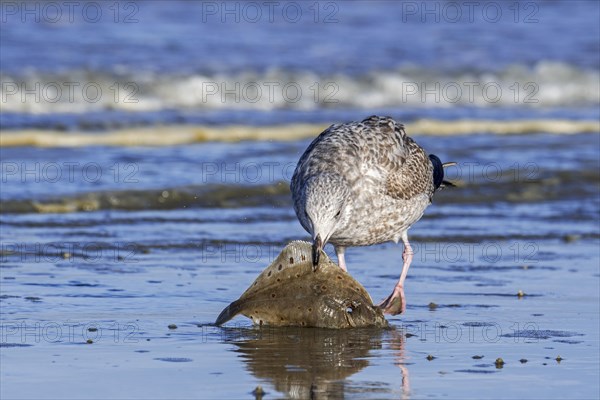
point(176, 245)
point(165, 62)
point(131, 219)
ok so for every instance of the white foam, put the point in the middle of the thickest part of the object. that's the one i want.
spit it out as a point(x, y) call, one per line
point(548, 84)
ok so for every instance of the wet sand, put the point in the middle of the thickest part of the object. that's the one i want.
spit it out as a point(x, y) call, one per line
point(504, 268)
point(464, 320)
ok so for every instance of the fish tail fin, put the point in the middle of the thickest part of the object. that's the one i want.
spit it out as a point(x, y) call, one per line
point(228, 313)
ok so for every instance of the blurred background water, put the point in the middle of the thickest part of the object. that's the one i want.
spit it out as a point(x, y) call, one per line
point(146, 150)
point(128, 63)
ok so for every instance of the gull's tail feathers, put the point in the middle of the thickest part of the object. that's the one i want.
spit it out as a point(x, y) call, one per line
point(438, 172)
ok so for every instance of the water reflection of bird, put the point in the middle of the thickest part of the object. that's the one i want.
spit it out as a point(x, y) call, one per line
point(364, 183)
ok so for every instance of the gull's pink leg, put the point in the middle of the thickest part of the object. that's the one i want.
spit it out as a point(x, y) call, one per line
point(396, 302)
point(339, 250)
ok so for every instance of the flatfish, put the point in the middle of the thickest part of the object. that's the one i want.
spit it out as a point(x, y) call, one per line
point(291, 292)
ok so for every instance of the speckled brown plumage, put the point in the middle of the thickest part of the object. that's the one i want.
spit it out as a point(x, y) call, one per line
point(363, 183)
point(389, 179)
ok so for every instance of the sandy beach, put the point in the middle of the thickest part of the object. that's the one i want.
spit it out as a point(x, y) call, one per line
point(145, 172)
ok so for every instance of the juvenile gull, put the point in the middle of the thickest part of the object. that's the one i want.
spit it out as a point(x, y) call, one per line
point(363, 183)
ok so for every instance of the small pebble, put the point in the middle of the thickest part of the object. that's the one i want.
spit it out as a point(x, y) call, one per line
point(558, 359)
point(520, 294)
point(92, 329)
point(66, 255)
point(432, 306)
point(89, 341)
point(430, 357)
point(172, 326)
point(477, 357)
point(408, 335)
point(523, 360)
point(499, 362)
point(258, 391)
point(571, 238)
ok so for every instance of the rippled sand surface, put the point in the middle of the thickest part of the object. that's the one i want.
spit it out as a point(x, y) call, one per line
point(110, 283)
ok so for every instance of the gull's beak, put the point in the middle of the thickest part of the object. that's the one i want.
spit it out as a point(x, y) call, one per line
point(316, 251)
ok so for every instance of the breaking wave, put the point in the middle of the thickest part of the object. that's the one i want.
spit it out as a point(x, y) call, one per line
point(548, 84)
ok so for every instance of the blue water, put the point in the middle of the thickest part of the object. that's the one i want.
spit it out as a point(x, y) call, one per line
point(129, 240)
point(348, 37)
point(162, 55)
point(131, 267)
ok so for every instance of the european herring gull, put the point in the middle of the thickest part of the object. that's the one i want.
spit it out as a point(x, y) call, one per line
point(363, 183)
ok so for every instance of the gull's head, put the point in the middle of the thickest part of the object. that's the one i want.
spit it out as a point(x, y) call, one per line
point(326, 209)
